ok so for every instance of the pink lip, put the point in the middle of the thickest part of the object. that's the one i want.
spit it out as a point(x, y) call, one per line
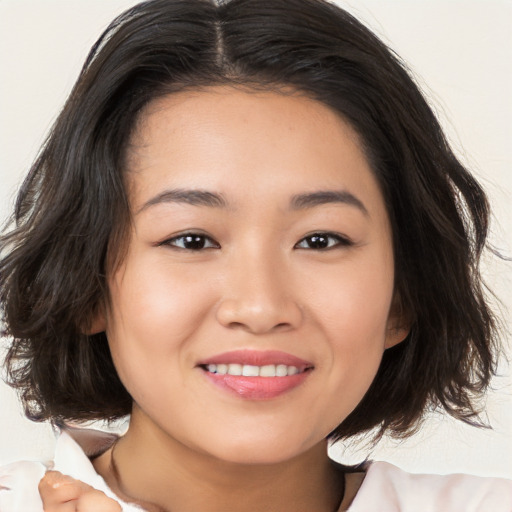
point(257, 358)
point(257, 388)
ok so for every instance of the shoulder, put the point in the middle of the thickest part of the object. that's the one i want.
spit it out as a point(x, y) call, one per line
point(18, 487)
point(19, 481)
point(389, 489)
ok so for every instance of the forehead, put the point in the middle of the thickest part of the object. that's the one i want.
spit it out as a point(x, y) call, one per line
point(229, 140)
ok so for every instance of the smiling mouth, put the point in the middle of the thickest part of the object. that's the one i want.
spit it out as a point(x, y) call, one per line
point(256, 375)
point(249, 370)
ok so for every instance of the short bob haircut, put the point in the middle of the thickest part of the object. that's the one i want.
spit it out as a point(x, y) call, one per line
point(72, 215)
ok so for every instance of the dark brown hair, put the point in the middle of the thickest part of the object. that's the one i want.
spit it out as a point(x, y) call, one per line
point(72, 212)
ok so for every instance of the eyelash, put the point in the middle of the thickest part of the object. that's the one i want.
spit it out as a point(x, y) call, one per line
point(201, 242)
point(194, 238)
point(339, 241)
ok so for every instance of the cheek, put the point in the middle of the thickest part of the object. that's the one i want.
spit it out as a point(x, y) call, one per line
point(155, 310)
point(351, 306)
point(352, 302)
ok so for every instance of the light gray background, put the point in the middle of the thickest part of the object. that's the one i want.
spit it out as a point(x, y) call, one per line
point(461, 49)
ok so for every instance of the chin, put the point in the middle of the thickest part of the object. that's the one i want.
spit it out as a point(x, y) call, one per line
point(261, 450)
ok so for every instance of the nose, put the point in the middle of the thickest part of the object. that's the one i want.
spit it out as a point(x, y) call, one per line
point(258, 297)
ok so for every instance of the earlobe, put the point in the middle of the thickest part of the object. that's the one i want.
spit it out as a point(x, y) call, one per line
point(396, 335)
point(96, 325)
point(399, 323)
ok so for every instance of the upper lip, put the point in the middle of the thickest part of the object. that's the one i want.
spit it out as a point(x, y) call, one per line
point(257, 358)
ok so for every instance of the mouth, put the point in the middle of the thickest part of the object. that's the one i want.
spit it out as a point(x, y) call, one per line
point(256, 375)
point(249, 370)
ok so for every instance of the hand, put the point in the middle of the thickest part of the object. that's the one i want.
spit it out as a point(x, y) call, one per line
point(61, 493)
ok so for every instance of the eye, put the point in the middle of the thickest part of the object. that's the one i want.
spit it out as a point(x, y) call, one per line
point(192, 242)
point(323, 241)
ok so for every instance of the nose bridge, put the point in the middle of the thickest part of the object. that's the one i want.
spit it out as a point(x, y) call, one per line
point(256, 293)
point(258, 282)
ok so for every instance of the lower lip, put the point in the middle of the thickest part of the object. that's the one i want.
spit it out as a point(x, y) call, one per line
point(257, 388)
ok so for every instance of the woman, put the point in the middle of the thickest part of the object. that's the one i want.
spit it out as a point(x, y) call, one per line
point(243, 213)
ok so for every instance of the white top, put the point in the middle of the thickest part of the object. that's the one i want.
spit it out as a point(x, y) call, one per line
point(385, 488)
point(19, 480)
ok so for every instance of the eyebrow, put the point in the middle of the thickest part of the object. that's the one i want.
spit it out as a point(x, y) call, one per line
point(321, 197)
point(185, 196)
point(209, 199)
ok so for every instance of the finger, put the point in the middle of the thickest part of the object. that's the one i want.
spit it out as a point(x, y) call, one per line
point(69, 506)
point(96, 501)
point(57, 489)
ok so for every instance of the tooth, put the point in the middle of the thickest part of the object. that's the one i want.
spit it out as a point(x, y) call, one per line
point(249, 370)
point(235, 369)
point(268, 371)
point(281, 370)
point(222, 369)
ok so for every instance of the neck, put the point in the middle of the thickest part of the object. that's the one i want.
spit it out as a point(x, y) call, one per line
point(162, 475)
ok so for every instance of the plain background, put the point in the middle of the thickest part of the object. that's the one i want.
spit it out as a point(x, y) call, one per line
point(461, 54)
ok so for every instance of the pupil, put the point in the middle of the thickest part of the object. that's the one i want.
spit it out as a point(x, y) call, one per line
point(318, 242)
point(194, 242)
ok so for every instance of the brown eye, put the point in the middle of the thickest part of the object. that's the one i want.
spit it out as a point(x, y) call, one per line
point(192, 242)
point(322, 241)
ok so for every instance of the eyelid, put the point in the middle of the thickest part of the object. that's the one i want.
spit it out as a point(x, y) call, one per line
point(341, 241)
point(197, 233)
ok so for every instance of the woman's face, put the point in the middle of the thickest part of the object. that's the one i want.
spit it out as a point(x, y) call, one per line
point(260, 245)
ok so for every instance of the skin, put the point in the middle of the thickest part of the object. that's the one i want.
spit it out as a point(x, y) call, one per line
point(61, 493)
point(256, 285)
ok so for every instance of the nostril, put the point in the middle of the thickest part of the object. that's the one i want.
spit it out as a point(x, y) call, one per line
point(251, 327)
point(237, 325)
point(258, 315)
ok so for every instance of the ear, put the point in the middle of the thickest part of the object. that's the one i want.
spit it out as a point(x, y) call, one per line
point(396, 335)
point(398, 325)
point(96, 325)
